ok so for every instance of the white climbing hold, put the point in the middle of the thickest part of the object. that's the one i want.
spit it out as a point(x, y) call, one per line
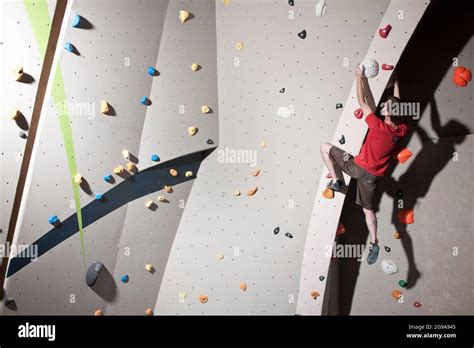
point(192, 131)
point(205, 109)
point(126, 154)
point(220, 256)
point(149, 204)
point(239, 46)
point(78, 179)
point(188, 174)
point(17, 73)
point(371, 67)
point(160, 198)
point(183, 15)
point(236, 193)
point(104, 107)
point(389, 266)
point(195, 67)
point(285, 112)
point(14, 114)
point(321, 8)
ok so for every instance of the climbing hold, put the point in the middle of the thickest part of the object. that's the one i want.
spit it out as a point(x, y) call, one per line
point(98, 313)
point(18, 73)
point(130, 166)
point(276, 230)
point(404, 155)
point(387, 249)
point(99, 196)
point(104, 107)
point(182, 295)
point(400, 194)
point(252, 191)
point(124, 278)
point(314, 294)
point(341, 229)
point(220, 256)
point(78, 179)
point(14, 114)
point(285, 112)
point(205, 109)
point(406, 216)
point(126, 154)
point(145, 101)
point(320, 8)
point(192, 131)
point(397, 235)
point(23, 135)
point(396, 294)
point(282, 90)
point(209, 142)
point(359, 113)
point(76, 21)
point(149, 204)
point(291, 2)
point(236, 193)
point(383, 32)
point(321, 278)
point(203, 298)
point(195, 67)
point(69, 46)
point(389, 266)
point(161, 198)
point(289, 235)
point(302, 34)
point(93, 272)
point(402, 283)
point(239, 46)
point(152, 71)
point(53, 220)
point(243, 286)
point(462, 76)
point(155, 158)
point(168, 189)
point(118, 170)
point(342, 140)
point(387, 67)
point(328, 176)
point(339, 106)
point(10, 302)
point(263, 144)
point(149, 268)
point(188, 174)
point(371, 67)
point(108, 178)
point(173, 172)
point(417, 304)
point(256, 172)
point(183, 15)
point(149, 312)
point(328, 193)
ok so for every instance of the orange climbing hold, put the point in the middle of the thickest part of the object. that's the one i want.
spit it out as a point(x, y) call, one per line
point(397, 235)
point(396, 294)
point(98, 313)
point(243, 286)
point(314, 295)
point(256, 172)
point(404, 155)
point(252, 191)
point(328, 193)
point(406, 216)
point(341, 229)
point(149, 312)
point(173, 172)
point(203, 298)
point(462, 76)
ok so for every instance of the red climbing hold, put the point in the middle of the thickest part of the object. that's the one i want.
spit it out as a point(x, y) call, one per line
point(406, 216)
point(385, 31)
point(341, 229)
point(328, 176)
point(417, 304)
point(358, 113)
point(462, 76)
point(387, 67)
point(404, 155)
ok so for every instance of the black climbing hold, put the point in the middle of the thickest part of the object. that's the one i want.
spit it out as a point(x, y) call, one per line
point(289, 235)
point(276, 230)
point(22, 135)
point(291, 3)
point(282, 90)
point(400, 194)
point(93, 272)
point(9, 302)
point(342, 140)
point(209, 141)
point(338, 106)
point(302, 34)
point(321, 278)
point(387, 249)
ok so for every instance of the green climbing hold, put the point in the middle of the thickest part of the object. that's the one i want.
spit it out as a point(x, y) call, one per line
point(402, 283)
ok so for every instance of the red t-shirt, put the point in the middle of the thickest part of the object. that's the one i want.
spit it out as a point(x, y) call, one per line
point(379, 145)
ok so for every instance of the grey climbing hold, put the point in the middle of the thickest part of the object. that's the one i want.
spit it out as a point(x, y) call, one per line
point(22, 135)
point(291, 2)
point(282, 90)
point(338, 106)
point(342, 140)
point(93, 273)
point(302, 34)
point(9, 302)
point(289, 235)
point(276, 230)
point(321, 278)
point(387, 249)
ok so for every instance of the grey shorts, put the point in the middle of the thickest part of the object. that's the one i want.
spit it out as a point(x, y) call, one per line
point(366, 182)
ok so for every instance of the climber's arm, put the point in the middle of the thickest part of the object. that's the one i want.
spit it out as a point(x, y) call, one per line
point(360, 91)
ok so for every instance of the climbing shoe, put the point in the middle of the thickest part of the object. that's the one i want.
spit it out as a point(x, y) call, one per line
point(373, 253)
point(335, 186)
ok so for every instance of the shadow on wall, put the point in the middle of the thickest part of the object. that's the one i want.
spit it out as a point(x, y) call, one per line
point(423, 65)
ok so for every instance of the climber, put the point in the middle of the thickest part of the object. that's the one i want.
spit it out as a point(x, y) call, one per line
point(374, 157)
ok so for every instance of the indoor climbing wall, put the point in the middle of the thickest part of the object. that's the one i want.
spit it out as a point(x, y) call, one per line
point(18, 93)
point(114, 117)
point(282, 69)
point(432, 255)
point(403, 16)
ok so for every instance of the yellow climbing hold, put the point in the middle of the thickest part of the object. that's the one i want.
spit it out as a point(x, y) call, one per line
point(256, 172)
point(236, 193)
point(263, 144)
point(17, 73)
point(239, 46)
point(130, 166)
point(182, 295)
point(173, 172)
point(205, 109)
point(118, 170)
point(104, 107)
point(220, 256)
point(183, 15)
point(149, 267)
point(252, 191)
point(149, 204)
point(192, 130)
point(160, 198)
point(243, 286)
point(195, 67)
point(188, 174)
point(226, 2)
point(14, 114)
point(78, 179)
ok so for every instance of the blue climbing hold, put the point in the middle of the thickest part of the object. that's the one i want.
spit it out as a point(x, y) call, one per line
point(99, 196)
point(76, 21)
point(53, 219)
point(69, 46)
point(124, 278)
point(108, 178)
point(155, 158)
point(145, 101)
point(151, 71)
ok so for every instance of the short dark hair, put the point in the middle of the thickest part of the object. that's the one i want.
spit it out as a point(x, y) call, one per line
point(395, 100)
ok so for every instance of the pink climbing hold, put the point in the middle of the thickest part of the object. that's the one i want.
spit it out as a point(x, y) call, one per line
point(387, 67)
point(341, 229)
point(385, 31)
point(328, 176)
point(358, 113)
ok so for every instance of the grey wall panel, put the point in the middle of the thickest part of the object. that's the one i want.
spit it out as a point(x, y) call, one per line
point(241, 228)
